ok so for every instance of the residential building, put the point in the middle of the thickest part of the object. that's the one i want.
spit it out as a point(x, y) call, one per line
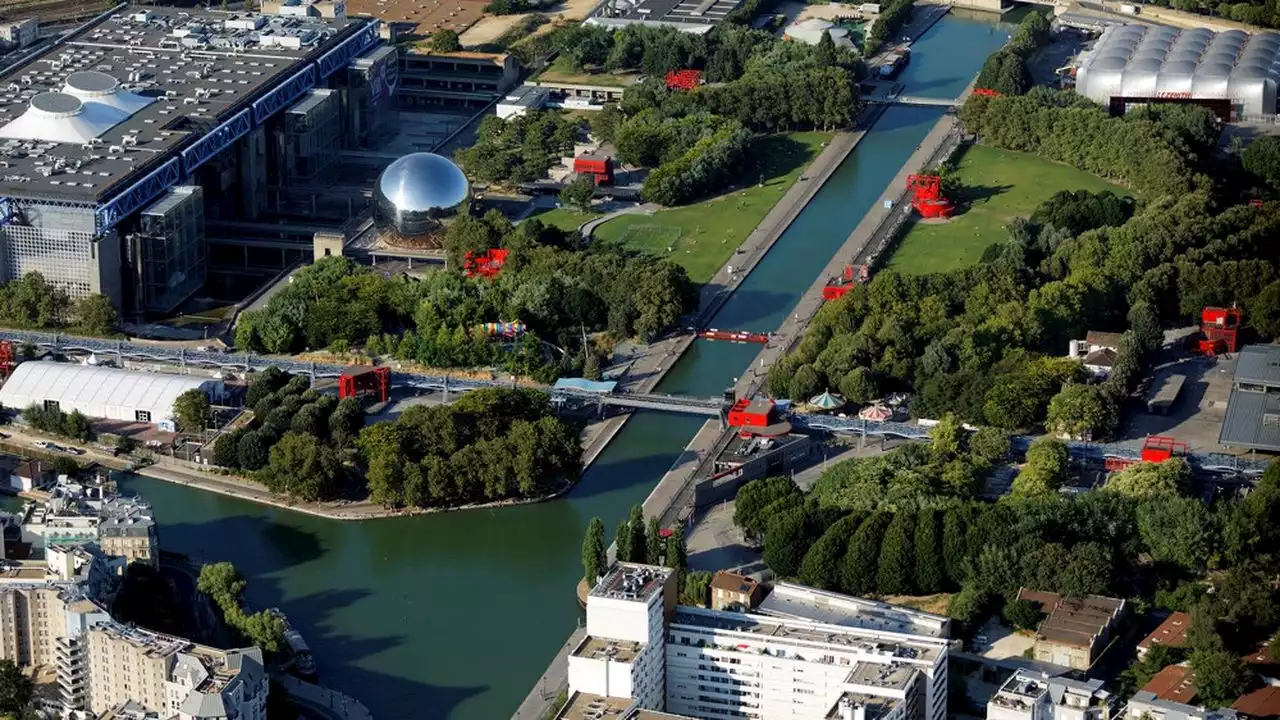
point(1075, 630)
point(1175, 683)
point(173, 676)
point(128, 530)
point(643, 652)
point(1171, 633)
point(1097, 352)
point(1030, 695)
point(1253, 408)
point(121, 526)
point(19, 34)
point(1145, 705)
point(731, 591)
point(29, 475)
point(1260, 704)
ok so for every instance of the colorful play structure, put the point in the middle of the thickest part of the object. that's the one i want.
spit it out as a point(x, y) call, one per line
point(361, 381)
point(927, 198)
point(852, 275)
point(7, 360)
point(1219, 329)
point(683, 79)
point(503, 329)
point(986, 92)
point(485, 264)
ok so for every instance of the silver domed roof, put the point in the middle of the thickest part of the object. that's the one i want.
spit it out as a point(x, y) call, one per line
point(421, 182)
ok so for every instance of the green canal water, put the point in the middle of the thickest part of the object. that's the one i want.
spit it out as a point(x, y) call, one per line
point(456, 615)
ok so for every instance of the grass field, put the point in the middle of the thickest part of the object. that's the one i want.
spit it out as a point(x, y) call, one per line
point(703, 236)
point(561, 71)
point(999, 185)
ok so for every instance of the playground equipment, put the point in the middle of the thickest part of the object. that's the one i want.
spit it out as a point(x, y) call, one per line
point(485, 264)
point(852, 275)
point(503, 329)
point(597, 167)
point(985, 92)
point(365, 381)
point(683, 79)
point(1219, 328)
point(927, 198)
point(7, 359)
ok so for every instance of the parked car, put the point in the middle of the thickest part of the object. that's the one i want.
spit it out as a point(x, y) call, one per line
point(45, 445)
point(74, 450)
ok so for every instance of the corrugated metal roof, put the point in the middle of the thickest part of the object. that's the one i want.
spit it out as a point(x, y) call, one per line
point(1246, 424)
point(84, 387)
point(1259, 364)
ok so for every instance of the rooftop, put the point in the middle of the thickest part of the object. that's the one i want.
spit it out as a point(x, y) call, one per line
point(423, 16)
point(1253, 409)
point(1175, 683)
point(1100, 338)
point(631, 582)
point(1072, 621)
point(797, 601)
point(1172, 632)
point(1261, 703)
point(733, 582)
point(117, 96)
point(623, 651)
point(1025, 688)
point(586, 706)
point(801, 633)
point(891, 676)
point(696, 16)
point(874, 706)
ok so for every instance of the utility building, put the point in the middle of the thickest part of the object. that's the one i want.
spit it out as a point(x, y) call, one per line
point(1232, 73)
point(1253, 408)
point(124, 141)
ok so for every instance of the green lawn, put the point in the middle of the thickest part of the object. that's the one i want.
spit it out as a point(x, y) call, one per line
point(703, 236)
point(561, 71)
point(999, 185)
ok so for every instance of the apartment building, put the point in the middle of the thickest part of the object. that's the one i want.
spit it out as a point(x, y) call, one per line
point(173, 676)
point(128, 530)
point(727, 664)
point(1144, 705)
point(1030, 695)
point(121, 526)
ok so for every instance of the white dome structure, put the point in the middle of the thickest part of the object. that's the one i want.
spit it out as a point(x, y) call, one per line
point(810, 32)
point(1232, 73)
point(89, 104)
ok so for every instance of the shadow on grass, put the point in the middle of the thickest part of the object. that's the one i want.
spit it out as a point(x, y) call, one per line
point(971, 195)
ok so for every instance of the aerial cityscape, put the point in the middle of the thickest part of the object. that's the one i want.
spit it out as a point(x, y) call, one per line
point(639, 360)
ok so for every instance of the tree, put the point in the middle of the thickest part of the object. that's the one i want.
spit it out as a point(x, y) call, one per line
point(1157, 657)
point(622, 541)
point(826, 53)
point(1080, 412)
point(639, 544)
point(955, 529)
point(346, 421)
point(1148, 480)
point(1262, 159)
point(989, 444)
point(298, 466)
point(930, 570)
point(757, 495)
point(894, 575)
point(95, 314)
point(786, 541)
point(192, 411)
point(860, 565)
point(677, 552)
point(820, 567)
point(445, 41)
point(859, 385)
point(653, 543)
point(578, 194)
point(1202, 629)
point(966, 606)
point(64, 465)
point(252, 452)
point(945, 437)
point(1021, 614)
point(16, 689)
point(1221, 677)
point(1176, 530)
point(593, 552)
point(804, 384)
point(1088, 572)
point(697, 589)
point(1045, 470)
point(77, 426)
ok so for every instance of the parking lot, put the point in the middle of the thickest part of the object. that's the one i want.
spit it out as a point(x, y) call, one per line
point(1197, 414)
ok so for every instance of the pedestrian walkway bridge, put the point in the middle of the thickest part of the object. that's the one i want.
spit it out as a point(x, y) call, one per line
point(916, 100)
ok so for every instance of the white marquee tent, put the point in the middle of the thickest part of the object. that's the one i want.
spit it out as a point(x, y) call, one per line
point(101, 392)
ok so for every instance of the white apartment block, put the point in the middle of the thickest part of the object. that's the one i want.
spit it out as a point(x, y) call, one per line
point(1030, 695)
point(173, 677)
point(713, 664)
point(1145, 705)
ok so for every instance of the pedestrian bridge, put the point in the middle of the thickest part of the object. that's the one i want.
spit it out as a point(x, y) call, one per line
point(915, 100)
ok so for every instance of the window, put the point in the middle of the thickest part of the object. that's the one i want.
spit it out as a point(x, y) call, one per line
point(51, 405)
point(142, 415)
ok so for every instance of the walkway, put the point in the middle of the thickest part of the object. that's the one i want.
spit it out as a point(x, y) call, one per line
point(554, 679)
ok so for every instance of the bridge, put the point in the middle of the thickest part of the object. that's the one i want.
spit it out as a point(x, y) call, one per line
point(248, 362)
point(915, 100)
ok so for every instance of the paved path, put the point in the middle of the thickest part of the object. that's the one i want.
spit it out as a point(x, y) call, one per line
point(552, 681)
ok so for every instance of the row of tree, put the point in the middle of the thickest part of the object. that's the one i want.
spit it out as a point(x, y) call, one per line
point(53, 420)
point(1005, 71)
point(225, 586)
point(893, 15)
point(635, 541)
point(33, 302)
point(713, 162)
point(520, 148)
point(489, 445)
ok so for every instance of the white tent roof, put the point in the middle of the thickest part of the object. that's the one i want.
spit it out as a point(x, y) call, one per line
point(97, 390)
point(89, 104)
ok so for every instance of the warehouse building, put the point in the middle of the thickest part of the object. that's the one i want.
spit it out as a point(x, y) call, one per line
point(124, 143)
point(1232, 73)
point(100, 392)
point(1253, 408)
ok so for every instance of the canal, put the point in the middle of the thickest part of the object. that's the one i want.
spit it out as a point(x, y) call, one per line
point(456, 615)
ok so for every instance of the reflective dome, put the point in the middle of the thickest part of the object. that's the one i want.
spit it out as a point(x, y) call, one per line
point(414, 192)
